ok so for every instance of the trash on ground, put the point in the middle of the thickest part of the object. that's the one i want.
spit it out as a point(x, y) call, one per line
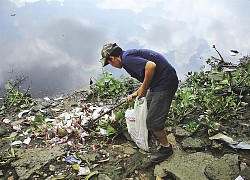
point(71, 159)
point(22, 113)
point(83, 171)
point(6, 121)
point(231, 142)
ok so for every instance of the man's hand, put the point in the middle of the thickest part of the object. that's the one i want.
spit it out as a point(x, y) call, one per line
point(141, 92)
point(131, 97)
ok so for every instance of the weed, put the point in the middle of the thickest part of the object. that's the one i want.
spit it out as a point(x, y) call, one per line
point(13, 97)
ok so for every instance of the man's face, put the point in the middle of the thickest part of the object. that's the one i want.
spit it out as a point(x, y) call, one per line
point(115, 62)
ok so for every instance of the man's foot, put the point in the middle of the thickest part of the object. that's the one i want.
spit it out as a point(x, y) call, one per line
point(162, 154)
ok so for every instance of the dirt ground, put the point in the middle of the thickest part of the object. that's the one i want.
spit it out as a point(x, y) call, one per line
point(97, 158)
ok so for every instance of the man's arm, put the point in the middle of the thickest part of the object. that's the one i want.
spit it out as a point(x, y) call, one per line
point(149, 73)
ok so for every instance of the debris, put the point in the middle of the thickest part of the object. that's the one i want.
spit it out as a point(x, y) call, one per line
point(243, 145)
point(22, 113)
point(75, 166)
point(18, 122)
point(83, 171)
point(52, 167)
point(94, 147)
point(231, 142)
point(16, 143)
point(229, 69)
point(245, 173)
point(46, 98)
point(17, 128)
point(27, 141)
point(6, 121)
point(71, 159)
point(49, 120)
point(103, 131)
point(239, 178)
point(104, 160)
point(233, 52)
point(222, 137)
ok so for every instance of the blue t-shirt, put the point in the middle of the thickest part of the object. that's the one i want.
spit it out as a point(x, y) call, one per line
point(134, 62)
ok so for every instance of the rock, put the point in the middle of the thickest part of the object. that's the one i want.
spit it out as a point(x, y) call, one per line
point(33, 159)
point(192, 144)
point(182, 132)
point(52, 167)
point(200, 166)
point(73, 104)
point(89, 156)
point(216, 146)
point(129, 150)
point(171, 139)
point(224, 168)
point(245, 173)
point(46, 104)
point(18, 122)
point(3, 131)
point(37, 108)
point(185, 167)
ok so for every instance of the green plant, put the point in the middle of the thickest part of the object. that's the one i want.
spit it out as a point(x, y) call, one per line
point(108, 87)
point(7, 156)
point(13, 97)
point(207, 98)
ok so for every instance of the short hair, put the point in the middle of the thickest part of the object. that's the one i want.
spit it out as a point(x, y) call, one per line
point(116, 52)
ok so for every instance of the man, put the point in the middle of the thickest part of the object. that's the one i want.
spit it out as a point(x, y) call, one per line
point(159, 84)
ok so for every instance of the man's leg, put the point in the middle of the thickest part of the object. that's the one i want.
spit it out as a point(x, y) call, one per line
point(162, 137)
point(159, 104)
point(165, 150)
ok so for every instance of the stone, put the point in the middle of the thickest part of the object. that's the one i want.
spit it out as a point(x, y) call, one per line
point(185, 167)
point(89, 156)
point(223, 168)
point(245, 173)
point(182, 132)
point(3, 131)
point(18, 122)
point(37, 108)
point(192, 144)
point(33, 159)
point(171, 139)
point(129, 150)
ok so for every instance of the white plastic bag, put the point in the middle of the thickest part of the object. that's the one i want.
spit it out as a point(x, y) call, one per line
point(136, 123)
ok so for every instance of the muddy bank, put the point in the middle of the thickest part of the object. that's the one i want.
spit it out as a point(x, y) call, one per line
point(40, 154)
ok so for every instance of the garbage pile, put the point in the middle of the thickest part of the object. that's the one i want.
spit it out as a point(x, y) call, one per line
point(73, 123)
point(59, 129)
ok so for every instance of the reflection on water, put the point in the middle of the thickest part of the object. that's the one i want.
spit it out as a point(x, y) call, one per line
point(57, 46)
point(52, 82)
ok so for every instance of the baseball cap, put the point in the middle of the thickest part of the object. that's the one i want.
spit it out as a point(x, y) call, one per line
point(106, 51)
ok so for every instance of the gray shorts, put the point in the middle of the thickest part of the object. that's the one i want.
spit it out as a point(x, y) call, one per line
point(158, 107)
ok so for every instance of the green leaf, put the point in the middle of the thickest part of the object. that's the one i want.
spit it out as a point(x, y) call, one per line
point(224, 82)
point(12, 152)
point(39, 118)
point(244, 104)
